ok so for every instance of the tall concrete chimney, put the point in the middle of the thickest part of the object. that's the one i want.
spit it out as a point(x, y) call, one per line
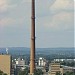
point(32, 51)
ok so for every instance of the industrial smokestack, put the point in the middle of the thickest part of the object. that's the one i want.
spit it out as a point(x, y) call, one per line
point(32, 51)
point(7, 51)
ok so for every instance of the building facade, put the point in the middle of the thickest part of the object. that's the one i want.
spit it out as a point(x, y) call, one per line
point(5, 64)
point(55, 68)
point(42, 62)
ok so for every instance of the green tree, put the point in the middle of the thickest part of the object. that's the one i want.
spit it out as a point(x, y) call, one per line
point(38, 72)
point(2, 73)
point(58, 73)
point(69, 73)
point(25, 72)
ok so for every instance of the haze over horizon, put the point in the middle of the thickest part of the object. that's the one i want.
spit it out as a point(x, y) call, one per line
point(54, 23)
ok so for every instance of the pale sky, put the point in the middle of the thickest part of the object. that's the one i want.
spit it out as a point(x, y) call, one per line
point(54, 23)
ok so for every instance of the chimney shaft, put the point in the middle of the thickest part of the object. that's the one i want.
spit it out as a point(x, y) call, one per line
point(32, 51)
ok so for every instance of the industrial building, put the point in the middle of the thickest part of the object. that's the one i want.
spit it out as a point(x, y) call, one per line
point(42, 62)
point(54, 68)
point(5, 64)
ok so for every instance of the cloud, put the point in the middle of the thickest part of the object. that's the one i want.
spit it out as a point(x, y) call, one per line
point(60, 21)
point(62, 5)
point(26, 1)
point(18, 17)
point(6, 21)
point(5, 5)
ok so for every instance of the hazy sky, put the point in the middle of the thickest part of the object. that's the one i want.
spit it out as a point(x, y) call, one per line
point(54, 23)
